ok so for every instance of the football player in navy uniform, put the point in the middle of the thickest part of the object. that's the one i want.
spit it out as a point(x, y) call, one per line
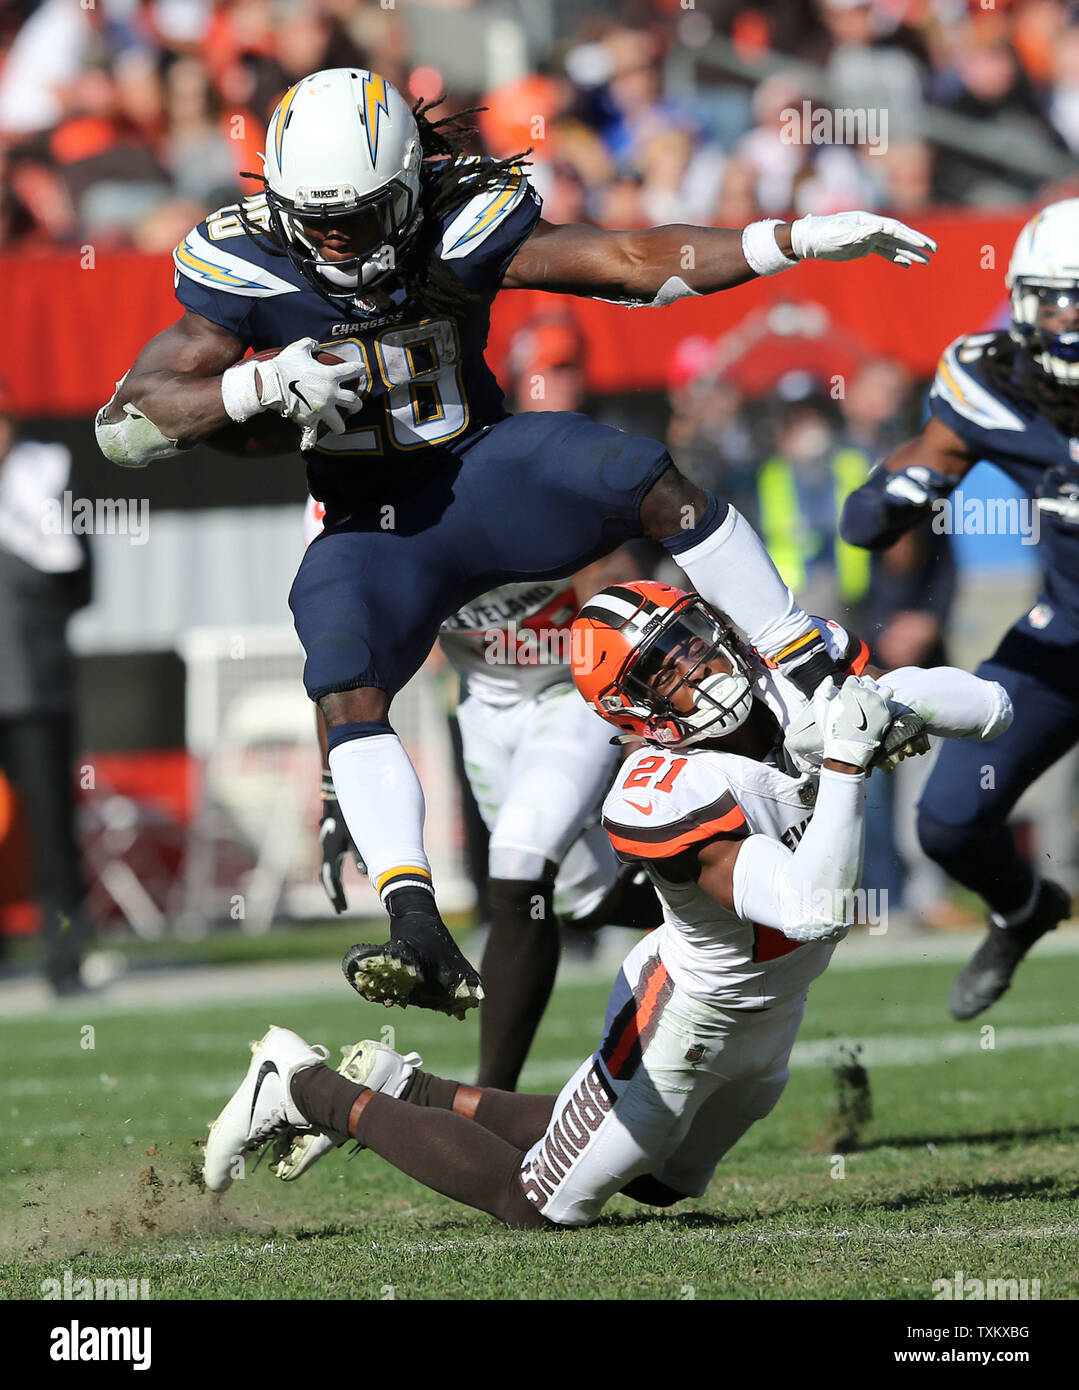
point(377, 242)
point(1011, 398)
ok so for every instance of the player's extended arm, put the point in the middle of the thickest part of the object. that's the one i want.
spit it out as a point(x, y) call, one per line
point(171, 396)
point(807, 894)
point(902, 490)
point(189, 381)
point(661, 264)
point(953, 703)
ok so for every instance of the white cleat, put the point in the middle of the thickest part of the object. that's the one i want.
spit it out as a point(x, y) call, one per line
point(369, 1064)
point(261, 1109)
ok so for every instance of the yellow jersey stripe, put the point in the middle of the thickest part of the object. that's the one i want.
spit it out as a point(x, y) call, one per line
point(491, 213)
point(950, 381)
point(208, 271)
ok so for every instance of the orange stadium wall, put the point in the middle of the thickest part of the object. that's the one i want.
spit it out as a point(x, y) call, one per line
point(75, 319)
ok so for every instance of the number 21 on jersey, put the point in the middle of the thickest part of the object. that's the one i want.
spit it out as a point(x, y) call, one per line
point(646, 769)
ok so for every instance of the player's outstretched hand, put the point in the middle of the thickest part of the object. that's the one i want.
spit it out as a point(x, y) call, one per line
point(335, 843)
point(310, 393)
point(846, 236)
point(853, 719)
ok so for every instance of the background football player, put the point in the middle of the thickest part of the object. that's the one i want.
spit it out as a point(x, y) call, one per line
point(375, 237)
point(1011, 398)
point(756, 863)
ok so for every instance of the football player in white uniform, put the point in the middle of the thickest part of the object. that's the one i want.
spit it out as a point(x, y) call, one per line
point(754, 843)
point(539, 763)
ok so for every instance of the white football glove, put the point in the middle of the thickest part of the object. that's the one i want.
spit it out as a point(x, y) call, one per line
point(297, 387)
point(852, 719)
point(846, 236)
point(905, 737)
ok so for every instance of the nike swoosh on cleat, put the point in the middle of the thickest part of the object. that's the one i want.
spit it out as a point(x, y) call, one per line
point(644, 810)
point(294, 387)
point(264, 1072)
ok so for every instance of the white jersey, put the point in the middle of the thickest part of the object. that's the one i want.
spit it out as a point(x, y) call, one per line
point(513, 642)
point(665, 802)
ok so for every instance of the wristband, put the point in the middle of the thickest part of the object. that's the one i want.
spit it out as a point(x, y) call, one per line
point(239, 391)
point(760, 249)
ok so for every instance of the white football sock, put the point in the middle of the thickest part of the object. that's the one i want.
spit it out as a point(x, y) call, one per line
point(732, 571)
point(382, 802)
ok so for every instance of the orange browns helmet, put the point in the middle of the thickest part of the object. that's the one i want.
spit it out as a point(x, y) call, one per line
point(624, 636)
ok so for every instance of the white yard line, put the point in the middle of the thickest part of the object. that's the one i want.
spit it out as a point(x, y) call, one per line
point(206, 986)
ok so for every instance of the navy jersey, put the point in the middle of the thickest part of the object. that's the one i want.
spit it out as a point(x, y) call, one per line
point(997, 422)
point(428, 389)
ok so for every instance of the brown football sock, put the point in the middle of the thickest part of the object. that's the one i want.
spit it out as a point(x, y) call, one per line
point(518, 968)
point(423, 1088)
point(450, 1154)
point(324, 1096)
point(326, 1099)
point(519, 1119)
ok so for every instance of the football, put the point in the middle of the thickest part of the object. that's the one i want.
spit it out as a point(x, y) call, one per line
point(265, 435)
point(326, 358)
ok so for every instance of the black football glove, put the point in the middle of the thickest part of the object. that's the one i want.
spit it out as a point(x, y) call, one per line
point(336, 843)
point(915, 487)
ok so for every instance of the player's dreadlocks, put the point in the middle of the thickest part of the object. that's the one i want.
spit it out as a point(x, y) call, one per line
point(1015, 374)
point(452, 178)
point(449, 178)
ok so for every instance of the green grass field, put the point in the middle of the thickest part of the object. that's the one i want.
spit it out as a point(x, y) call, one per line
point(969, 1162)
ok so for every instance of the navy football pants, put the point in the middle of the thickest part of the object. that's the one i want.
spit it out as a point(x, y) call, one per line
point(536, 496)
point(974, 786)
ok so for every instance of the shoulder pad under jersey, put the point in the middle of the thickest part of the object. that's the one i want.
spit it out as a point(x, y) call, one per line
point(222, 267)
point(481, 237)
point(663, 803)
point(962, 397)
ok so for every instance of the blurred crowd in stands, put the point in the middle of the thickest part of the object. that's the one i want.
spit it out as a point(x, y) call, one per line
point(123, 121)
